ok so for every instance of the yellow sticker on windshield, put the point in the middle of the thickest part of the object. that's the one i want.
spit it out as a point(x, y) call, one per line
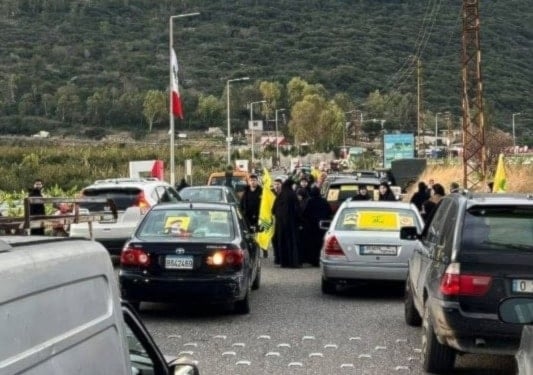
point(382, 220)
point(181, 222)
point(333, 195)
point(349, 187)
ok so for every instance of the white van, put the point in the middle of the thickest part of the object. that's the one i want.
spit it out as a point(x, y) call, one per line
point(60, 313)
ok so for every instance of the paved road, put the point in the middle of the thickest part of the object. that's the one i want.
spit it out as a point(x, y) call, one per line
point(294, 329)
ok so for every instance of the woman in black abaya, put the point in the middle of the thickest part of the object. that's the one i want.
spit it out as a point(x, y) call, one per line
point(287, 215)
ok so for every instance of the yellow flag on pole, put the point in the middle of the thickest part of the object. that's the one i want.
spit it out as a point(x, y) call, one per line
point(266, 219)
point(500, 177)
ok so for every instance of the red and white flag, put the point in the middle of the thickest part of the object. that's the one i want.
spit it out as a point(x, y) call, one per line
point(177, 108)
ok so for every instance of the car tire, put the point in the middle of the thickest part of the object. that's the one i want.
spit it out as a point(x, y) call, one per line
point(436, 358)
point(328, 287)
point(412, 317)
point(242, 307)
point(257, 281)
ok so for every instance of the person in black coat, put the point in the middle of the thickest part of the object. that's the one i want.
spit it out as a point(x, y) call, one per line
point(420, 196)
point(316, 209)
point(286, 211)
point(362, 194)
point(36, 208)
point(251, 201)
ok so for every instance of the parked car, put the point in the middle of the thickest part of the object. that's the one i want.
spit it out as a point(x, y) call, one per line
point(363, 242)
point(476, 251)
point(61, 313)
point(239, 180)
point(191, 252)
point(132, 197)
point(206, 193)
point(519, 310)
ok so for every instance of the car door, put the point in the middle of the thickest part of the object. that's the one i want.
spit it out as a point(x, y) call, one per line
point(249, 239)
point(427, 247)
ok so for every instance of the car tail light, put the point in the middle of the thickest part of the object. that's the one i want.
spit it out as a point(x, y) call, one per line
point(332, 247)
point(132, 256)
point(220, 258)
point(454, 283)
point(142, 203)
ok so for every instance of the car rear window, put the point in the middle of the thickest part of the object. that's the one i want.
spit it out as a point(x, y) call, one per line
point(501, 228)
point(340, 193)
point(202, 195)
point(196, 223)
point(375, 219)
point(123, 197)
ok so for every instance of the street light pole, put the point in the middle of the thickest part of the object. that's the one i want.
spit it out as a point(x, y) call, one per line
point(228, 138)
point(277, 142)
point(514, 139)
point(171, 115)
point(252, 124)
point(436, 128)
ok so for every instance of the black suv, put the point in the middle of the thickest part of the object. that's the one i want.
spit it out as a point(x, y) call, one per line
point(476, 251)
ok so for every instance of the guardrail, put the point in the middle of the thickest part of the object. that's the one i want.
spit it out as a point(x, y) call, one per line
point(23, 225)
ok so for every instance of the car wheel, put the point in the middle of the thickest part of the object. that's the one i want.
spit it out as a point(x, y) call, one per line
point(257, 281)
point(243, 306)
point(328, 287)
point(436, 358)
point(412, 317)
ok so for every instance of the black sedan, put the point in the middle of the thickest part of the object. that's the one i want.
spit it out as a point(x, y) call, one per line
point(191, 252)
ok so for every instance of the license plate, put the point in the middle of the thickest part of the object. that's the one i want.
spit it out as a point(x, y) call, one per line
point(523, 286)
point(180, 262)
point(378, 250)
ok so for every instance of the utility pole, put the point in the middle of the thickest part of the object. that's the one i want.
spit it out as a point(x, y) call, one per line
point(474, 156)
point(419, 115)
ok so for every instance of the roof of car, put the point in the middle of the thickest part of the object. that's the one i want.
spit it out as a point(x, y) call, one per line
point(379, 204)
point(474, 199)
point(192, 205)
point(112, 182)
point(202, 187)
point(355, 181)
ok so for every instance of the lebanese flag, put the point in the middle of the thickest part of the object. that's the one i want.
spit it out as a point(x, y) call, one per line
point(177, 108)
point(158, 170)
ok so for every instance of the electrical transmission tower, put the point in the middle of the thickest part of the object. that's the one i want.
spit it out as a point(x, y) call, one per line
point(474, 156)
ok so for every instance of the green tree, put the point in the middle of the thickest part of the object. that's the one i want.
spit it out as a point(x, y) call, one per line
point(210, 110)
point(154, 107)
point(68, 102)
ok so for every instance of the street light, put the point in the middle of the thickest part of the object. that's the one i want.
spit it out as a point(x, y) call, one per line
point(436, 127)
point(514, 139)
point(228, 138)
point(252, 124)
point(277, 142)
point(171, 115)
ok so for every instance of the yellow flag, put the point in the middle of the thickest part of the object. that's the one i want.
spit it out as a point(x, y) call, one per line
point(266, 219)
point(315, 172)
point(500, 178)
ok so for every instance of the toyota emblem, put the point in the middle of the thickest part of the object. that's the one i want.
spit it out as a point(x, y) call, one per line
point(180, 250)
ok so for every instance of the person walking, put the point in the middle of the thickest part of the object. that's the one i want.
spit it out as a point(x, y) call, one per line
point(251, 202)
point(430, 205)
point(385, 193)
point(276, 189)
point(37, 209)
point(286, 211)
point(316, 209)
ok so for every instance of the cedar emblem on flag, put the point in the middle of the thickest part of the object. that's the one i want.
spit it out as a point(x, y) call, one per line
point(177, 108)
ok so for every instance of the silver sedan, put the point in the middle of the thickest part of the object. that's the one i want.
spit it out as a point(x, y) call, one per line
point(363, 242)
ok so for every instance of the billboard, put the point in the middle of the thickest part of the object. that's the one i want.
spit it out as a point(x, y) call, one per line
point(398, 146)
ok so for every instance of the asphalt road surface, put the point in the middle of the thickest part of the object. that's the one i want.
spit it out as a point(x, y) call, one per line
point(294, 329)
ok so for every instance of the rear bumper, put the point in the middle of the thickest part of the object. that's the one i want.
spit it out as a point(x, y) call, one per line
point(473, 333)
point(363, 271)
point(220, 290)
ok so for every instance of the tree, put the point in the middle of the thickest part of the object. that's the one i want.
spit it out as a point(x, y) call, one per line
point(154, 107)
point(210, 110)
point(68, 102)
point(271, 92)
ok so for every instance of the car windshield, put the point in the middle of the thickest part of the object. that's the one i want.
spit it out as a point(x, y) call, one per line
point(195, 223)
point(498, 228)
point(374, 219)
point(201, 195)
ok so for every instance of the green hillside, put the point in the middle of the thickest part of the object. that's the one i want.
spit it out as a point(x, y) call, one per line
point(85, 66)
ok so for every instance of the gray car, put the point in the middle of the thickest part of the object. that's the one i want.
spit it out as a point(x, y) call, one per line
point(209, 193)
point(363, 242)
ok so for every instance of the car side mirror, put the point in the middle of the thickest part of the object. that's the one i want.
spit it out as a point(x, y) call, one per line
point(324, 224)
point(409, 233)
point(516, 310)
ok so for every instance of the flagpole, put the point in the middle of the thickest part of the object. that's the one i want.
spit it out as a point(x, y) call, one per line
point(170, 114)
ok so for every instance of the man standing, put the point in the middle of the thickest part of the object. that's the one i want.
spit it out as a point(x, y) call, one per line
point(36, 208)
point(250, 203)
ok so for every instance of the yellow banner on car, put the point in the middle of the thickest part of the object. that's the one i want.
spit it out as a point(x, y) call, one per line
point(382, 220)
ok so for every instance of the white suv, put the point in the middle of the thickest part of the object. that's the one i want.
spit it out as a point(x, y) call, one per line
point(132, 198)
